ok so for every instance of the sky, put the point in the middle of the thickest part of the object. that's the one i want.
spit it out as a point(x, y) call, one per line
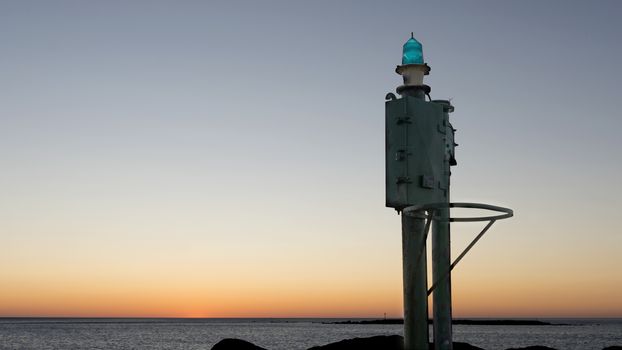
point(226, 158)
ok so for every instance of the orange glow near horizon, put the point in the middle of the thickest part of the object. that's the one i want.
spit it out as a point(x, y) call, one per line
point(186, 298)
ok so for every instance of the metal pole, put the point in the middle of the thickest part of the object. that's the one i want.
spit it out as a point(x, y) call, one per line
point(442, 293)
point(441, 250)
point(415, 282)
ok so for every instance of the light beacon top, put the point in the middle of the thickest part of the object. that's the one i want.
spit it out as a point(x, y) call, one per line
point(412, 52)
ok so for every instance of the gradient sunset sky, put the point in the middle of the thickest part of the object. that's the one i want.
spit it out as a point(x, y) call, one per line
point(226, 158)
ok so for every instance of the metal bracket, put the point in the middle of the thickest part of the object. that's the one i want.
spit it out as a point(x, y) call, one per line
point(405, 120)
point(403, 180)
point(400, 155)
point(464, 252)
point(418, 209)
point(426, 230)
point(427, 181)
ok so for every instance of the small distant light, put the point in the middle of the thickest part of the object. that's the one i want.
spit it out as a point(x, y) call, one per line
point(412, 52)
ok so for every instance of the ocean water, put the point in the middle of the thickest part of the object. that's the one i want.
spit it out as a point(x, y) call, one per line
point(280, 334)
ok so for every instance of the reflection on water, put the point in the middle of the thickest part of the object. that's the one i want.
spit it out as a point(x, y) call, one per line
point(278, 334)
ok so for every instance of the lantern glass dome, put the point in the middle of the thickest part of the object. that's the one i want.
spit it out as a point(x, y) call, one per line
point(412, 52)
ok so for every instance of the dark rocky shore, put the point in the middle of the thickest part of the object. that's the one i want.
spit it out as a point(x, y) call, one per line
point(382, 342)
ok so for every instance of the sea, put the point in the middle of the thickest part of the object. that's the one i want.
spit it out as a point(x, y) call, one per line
point(281, 333)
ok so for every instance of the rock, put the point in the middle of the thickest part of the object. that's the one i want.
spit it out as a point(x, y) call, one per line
point(537, 347)
point(461, 346)
point(235, 344)
point(385, 342)
point(382, 342)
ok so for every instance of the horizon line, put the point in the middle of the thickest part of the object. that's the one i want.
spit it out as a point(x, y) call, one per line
point(301, 317)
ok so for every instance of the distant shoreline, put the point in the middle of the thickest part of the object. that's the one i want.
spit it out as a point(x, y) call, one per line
point(458, 322)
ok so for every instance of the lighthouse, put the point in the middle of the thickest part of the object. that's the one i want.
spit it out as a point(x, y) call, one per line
point(419, 151)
